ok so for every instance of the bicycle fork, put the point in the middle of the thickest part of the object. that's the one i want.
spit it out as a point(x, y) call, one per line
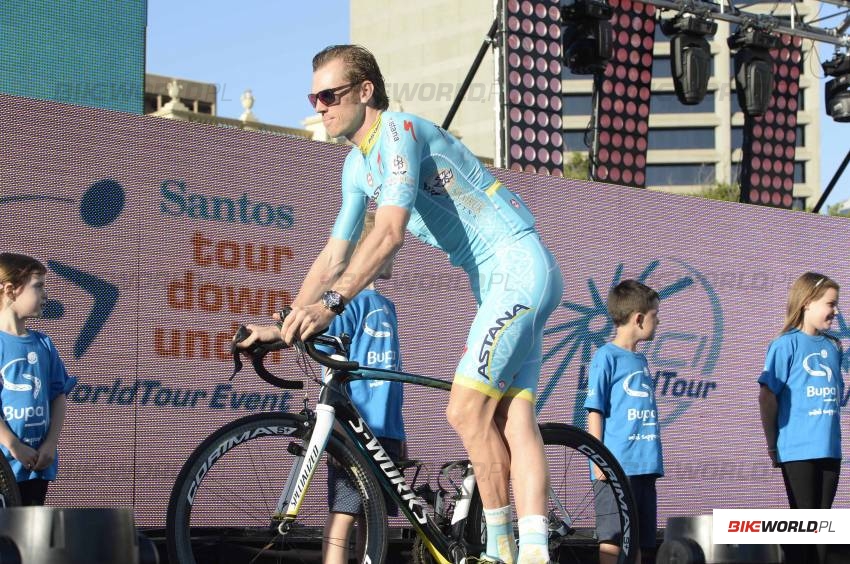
point(305, 466)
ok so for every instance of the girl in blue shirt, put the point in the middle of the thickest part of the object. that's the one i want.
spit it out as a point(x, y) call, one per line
point(34, 380)
point(800, 395)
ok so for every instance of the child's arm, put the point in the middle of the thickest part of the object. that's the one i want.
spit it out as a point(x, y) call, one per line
point(22, 452)
point(769, 408)
point(596, 426)
point(47, 450)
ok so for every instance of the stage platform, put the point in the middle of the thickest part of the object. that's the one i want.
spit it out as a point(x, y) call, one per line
point(400, 543)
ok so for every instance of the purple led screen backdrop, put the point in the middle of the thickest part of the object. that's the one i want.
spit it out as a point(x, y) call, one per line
point(161, 236)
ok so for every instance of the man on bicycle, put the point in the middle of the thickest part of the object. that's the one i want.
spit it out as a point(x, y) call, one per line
point(425, 181)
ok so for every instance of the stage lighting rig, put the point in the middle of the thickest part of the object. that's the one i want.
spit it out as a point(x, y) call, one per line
point(587, 35)
point(753, 68)
point(837, 90)
point(690, 56)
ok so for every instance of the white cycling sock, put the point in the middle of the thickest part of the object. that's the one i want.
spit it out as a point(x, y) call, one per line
point(500, 534)
point(533, 540)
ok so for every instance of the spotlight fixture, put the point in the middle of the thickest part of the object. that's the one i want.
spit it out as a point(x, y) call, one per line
point(587, 35)
point(837, 90)
point(690, 56)
point(753, 68)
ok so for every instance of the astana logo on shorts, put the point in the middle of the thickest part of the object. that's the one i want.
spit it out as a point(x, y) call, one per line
point(682, 355)
point(98, 207)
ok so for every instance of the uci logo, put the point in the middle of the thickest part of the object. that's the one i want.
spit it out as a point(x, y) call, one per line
point(99, 206)
point(682, 355)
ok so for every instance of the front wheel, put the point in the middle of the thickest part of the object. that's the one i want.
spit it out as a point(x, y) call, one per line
point(572, 513)
point(223, 506)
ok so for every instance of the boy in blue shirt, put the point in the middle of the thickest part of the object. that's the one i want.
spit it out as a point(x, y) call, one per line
point(623, 415)
point(370, 320)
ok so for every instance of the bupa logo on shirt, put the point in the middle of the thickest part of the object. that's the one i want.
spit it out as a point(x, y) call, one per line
point(16, 378)
point(383, 329)
point(643, 391)
point(813, 366)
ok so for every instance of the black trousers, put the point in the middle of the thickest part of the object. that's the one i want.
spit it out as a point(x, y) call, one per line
point(33, 492)
point(810, 484)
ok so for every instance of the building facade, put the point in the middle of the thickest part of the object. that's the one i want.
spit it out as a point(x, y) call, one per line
point(426, 48)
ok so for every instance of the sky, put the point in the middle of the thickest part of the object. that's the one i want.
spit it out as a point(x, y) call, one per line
point(267, 46)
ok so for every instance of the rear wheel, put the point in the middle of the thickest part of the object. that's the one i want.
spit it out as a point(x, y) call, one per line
point(572, 514)
point(10, 495)
point(223, 506)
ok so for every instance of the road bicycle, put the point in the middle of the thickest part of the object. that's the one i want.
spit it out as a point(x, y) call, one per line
point(253, 490)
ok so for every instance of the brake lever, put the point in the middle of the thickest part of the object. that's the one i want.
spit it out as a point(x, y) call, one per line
point(258, 351)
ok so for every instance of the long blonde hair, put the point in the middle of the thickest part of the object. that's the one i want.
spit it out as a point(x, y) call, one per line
point(809, 287)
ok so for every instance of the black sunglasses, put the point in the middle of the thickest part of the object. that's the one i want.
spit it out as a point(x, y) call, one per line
point(329, 96)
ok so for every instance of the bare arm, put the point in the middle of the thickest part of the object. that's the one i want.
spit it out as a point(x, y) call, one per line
point(768, 406)
point(596, 426)
point(326, 269)
point(380, 245)
point(384, 241)
point(47, 450)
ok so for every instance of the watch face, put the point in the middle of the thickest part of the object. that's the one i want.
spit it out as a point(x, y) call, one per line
point(332, 301)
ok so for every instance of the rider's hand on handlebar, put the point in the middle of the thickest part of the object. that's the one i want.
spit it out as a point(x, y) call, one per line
point(305, 321)
point(259, 334)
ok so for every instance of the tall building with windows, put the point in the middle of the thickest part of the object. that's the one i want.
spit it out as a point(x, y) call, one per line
point(426, 48)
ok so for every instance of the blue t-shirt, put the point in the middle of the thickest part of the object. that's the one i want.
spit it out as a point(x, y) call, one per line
point(370, 320)
point(804, 372)
point(455, 204)
point(621, 389)
point(33, 376)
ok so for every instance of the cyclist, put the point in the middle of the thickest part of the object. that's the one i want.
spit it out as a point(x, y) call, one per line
point(426, 182)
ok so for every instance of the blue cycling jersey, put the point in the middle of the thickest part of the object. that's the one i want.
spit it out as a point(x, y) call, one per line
point(455, 203)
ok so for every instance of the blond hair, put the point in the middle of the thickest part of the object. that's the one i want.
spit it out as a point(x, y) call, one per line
point(809, 287)
point(360, 66)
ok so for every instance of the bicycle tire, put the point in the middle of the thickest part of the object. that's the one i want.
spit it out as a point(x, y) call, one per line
point(234, 479)
point(10, 494)
point(568, 453)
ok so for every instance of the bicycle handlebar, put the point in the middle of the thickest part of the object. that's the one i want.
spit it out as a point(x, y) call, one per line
point(258, 351)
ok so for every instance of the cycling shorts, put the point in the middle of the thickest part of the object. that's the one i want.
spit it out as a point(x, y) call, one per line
point(517, 289)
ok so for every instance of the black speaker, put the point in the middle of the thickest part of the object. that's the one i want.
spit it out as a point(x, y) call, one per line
point(688, 540)
point(55, 535)
point(837, 94)
point(691, 64)
point(588, 46)
point(754, 80)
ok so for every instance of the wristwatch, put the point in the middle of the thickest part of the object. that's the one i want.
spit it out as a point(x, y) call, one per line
point(333, 301)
